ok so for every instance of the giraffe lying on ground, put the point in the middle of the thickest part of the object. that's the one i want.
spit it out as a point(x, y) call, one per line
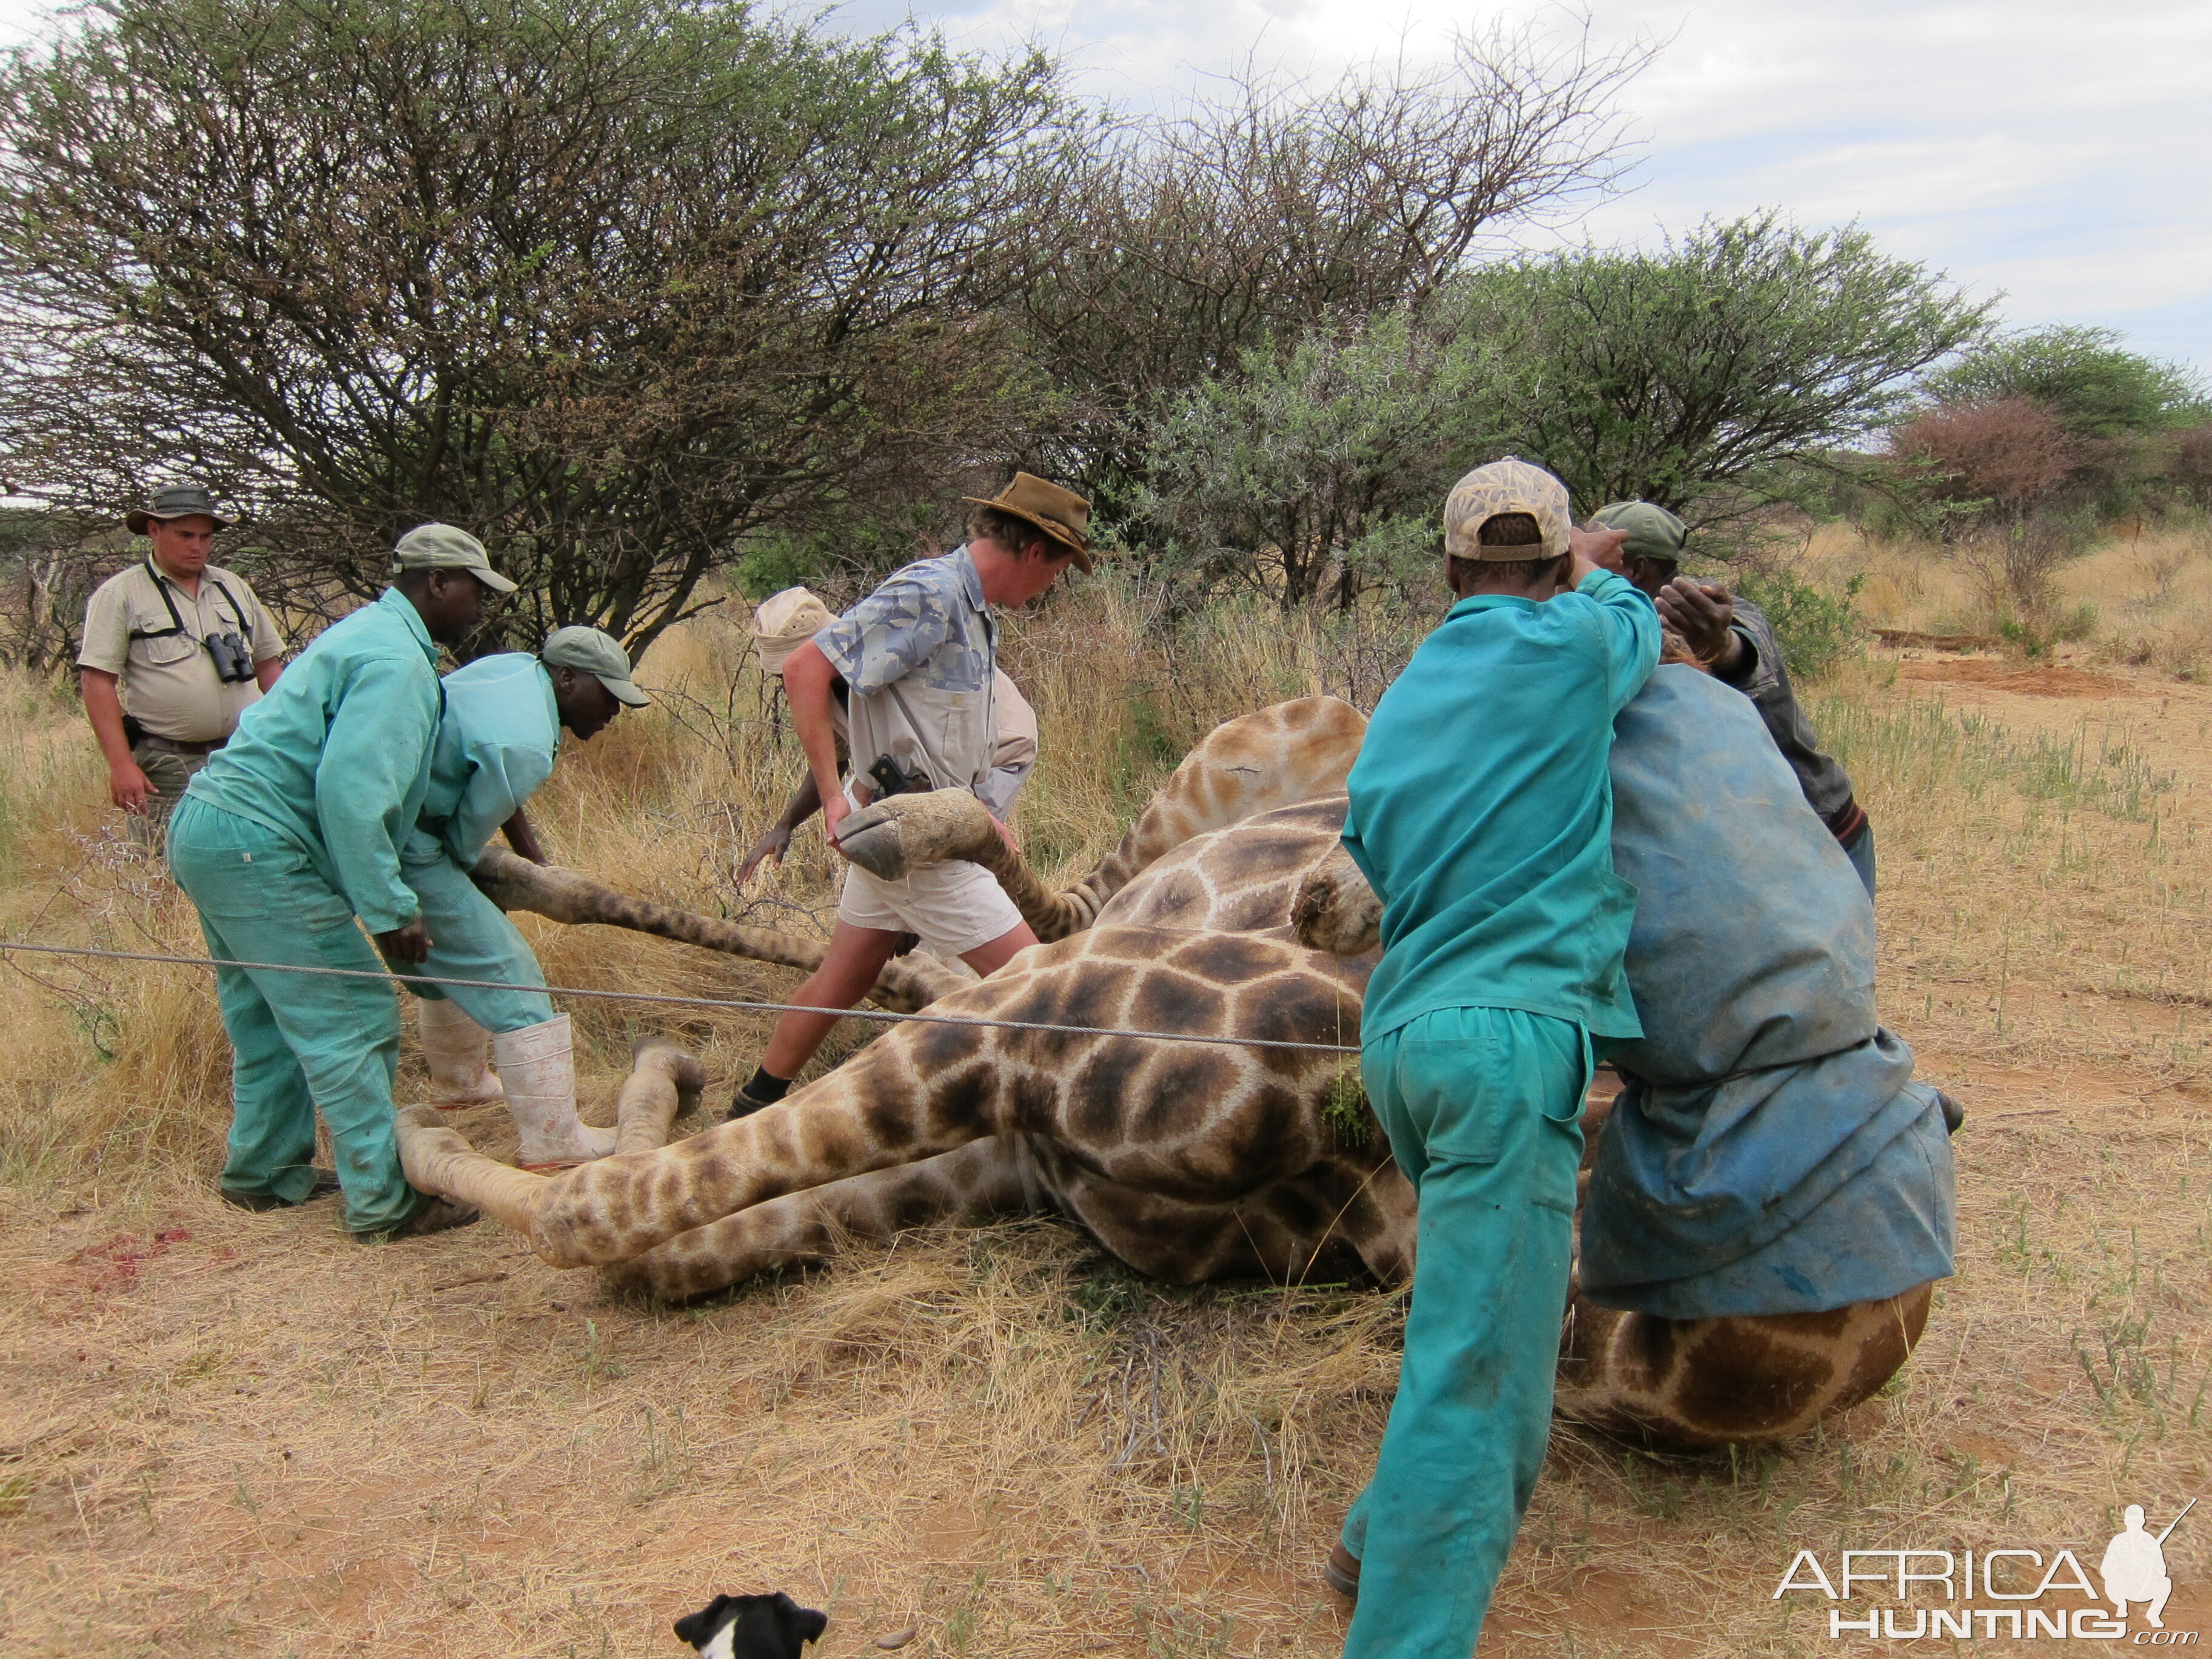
point(1188, 1161)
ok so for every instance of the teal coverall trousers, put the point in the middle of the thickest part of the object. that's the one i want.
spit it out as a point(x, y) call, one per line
point(472, 939)
point(1483, 1107)
point(299, 1043)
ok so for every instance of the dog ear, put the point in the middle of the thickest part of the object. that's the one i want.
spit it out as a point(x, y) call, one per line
point(805, 1624)
point(696, 1627)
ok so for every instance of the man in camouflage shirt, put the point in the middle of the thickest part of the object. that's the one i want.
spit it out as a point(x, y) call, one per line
point(917, 657)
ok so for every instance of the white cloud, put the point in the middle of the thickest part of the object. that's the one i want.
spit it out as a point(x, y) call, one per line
point(2050, 150)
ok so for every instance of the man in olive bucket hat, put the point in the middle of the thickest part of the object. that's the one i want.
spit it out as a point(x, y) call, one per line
point(918, 657)
point(175, 650)
point(786, 621)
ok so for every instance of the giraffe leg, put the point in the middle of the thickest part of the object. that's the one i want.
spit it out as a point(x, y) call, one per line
point(1700, 1384)
point(437, 1159)
point(976, 1182)
point(663, 1083)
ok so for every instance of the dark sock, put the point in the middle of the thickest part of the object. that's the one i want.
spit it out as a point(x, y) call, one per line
point(768, 1090)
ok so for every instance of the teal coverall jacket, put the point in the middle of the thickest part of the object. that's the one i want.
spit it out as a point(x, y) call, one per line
point(288, 833)
point(496, 743)
point(1482, 813)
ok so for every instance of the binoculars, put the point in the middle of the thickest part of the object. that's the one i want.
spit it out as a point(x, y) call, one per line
point(234, 663)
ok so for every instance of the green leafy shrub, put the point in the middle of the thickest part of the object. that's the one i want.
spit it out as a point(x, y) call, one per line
point(1815, 628)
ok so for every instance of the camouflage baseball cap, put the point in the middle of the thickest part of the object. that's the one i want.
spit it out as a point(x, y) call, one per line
point(441, 547)
point(1506, 486)
point(1653, 532)
point(600, 655)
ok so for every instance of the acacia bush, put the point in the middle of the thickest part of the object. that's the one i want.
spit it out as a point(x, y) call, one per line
point(611, 282)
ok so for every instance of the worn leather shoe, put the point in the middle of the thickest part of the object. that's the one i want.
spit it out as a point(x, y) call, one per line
point(326, 1182)
point(1340, 1572)
point(744, 1105)
point(435, 1215)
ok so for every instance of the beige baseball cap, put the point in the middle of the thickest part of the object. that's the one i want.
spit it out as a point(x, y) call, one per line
point(786, 622)
point(1506, 486)
point(443, 547)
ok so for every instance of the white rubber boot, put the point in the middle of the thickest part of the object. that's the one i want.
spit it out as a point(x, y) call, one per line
point(538, 1067)
point(456, 1048)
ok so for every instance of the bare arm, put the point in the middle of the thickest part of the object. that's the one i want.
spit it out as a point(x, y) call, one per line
point(522, 837)
point(127, 786)
point(266, 671)
point(807, 678)
point(775, 840)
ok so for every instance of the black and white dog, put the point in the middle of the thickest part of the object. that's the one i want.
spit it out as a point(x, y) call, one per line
point(752, 1627)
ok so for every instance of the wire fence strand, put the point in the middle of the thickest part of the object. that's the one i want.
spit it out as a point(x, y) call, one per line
point(882, 1015)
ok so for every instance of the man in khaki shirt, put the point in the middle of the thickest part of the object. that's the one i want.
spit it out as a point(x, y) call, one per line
point(185, 647)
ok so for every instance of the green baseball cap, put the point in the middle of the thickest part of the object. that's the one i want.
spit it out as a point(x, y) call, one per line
point(441, 547)
point(598, 655)
point(1653, 532)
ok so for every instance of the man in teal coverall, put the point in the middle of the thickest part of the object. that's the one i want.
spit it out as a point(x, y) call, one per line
point(501, 729)
point(287, 834)
point(1482, 813)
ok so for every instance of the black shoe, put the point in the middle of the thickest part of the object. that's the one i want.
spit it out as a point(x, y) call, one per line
point(326, 1184)
point(1340, 1572)
point(744, 1105)
point(433, 1215)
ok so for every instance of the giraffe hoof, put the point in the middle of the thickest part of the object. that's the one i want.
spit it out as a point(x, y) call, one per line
point(871, 838)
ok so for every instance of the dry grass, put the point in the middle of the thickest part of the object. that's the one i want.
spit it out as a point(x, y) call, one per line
point(2144, 599)
point(232, 1435)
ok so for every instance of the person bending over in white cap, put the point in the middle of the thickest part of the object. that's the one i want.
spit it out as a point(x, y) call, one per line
point(502, 728)
point(918, 656)
point(789, 620)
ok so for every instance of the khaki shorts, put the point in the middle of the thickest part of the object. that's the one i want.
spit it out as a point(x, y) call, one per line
point(955, 907)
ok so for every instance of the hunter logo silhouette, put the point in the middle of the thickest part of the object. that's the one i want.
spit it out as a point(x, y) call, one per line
point(2134, 1567)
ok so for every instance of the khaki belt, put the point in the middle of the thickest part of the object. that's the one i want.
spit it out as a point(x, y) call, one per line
point(172, 746)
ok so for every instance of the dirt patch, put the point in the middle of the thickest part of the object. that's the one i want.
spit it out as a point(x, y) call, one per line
point(2026, 679)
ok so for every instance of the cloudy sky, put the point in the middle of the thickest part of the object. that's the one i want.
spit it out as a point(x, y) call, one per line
point(2056, 152)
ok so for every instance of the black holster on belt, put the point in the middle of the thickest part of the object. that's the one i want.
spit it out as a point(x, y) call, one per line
point(890, 778)
point(133, 732)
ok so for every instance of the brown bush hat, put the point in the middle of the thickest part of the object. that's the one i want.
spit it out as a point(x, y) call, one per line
point(184, 500)
point(1062, 514)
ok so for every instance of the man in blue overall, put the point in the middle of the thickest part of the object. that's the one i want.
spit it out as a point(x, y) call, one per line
point(504, 716)
point(290, 831)
point(1482, 813)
